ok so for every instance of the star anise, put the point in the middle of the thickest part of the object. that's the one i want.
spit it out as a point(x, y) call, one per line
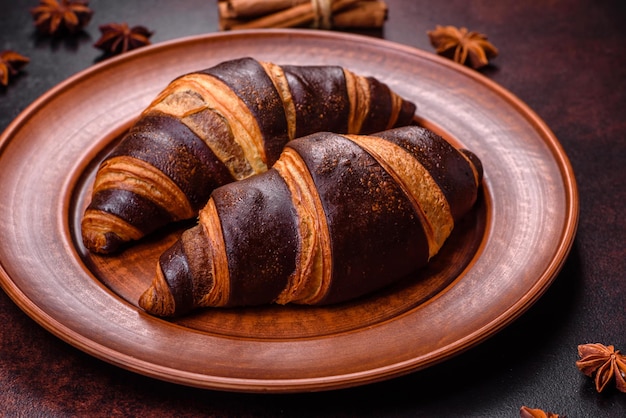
point(462, 46)
point(603, 362)
point(70, 16)
point(526, 412)
point(118, 38)
point(10, 64)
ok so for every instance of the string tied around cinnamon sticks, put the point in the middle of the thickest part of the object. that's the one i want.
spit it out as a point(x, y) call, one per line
point(322, 14)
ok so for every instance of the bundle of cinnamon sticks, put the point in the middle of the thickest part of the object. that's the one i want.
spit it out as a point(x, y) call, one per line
point(322, 14)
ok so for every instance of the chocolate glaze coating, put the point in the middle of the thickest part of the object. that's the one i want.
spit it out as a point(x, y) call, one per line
point(320, 96)
point(260, 228)
point(157, 138)
point(175, 267)
point(135, 209)
point(380, 108)
point(446, 165)
point(248, 80)
point(376, 236)
point(478, 165)
point(405, 117)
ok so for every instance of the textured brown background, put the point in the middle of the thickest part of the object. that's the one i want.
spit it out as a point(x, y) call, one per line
point(564, 58)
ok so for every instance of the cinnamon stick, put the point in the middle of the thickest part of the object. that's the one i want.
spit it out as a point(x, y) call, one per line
point(242, 9)
point(345, 14)
point(365, 14)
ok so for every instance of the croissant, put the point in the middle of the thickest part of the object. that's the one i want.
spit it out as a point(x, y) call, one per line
point(225, 123)
point(336, 217)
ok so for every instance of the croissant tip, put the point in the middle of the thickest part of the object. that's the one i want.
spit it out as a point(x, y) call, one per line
point(475, 162)
point(153, 302)
point(102, 243)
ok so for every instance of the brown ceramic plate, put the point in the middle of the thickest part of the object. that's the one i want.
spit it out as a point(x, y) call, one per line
point(498, 262)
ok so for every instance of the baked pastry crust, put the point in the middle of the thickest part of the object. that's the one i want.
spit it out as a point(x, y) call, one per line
point(336, 217)
point(219, 125)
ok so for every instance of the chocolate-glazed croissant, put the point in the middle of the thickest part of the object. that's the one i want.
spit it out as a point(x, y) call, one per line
point(336, 217)
point(226, 123)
